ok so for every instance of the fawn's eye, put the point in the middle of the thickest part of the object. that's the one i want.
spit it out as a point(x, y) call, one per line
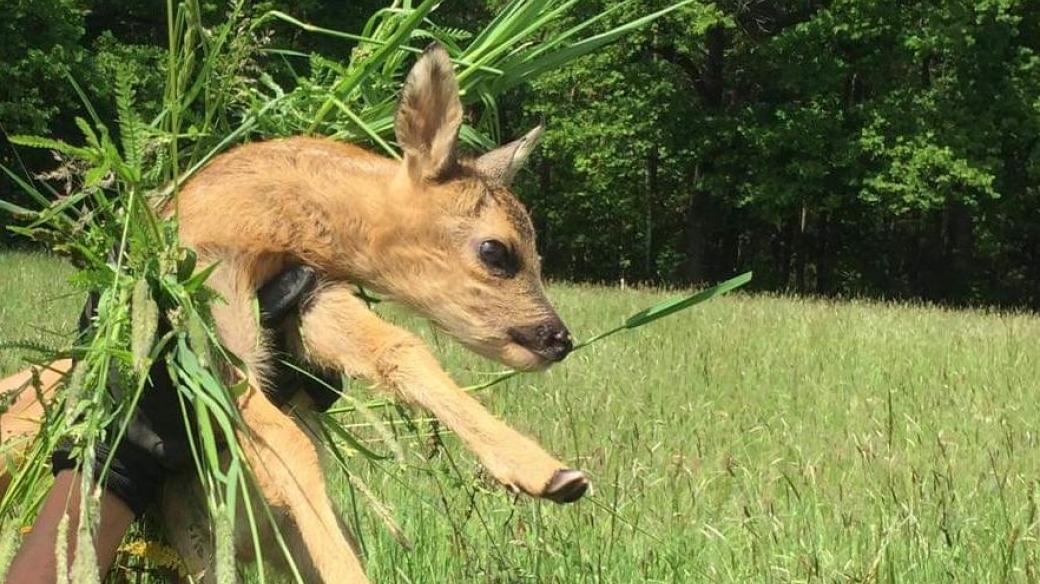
point(498, 258)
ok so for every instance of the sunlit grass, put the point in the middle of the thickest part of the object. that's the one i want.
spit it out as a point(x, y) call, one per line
point(751, 438)
point(37, 305)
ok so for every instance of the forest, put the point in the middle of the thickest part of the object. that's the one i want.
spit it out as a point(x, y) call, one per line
point(837, 148)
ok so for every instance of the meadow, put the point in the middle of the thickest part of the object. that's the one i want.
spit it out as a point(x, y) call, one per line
point(752, 438)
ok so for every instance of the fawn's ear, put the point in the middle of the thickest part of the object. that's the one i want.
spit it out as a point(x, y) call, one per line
point(501, 164)
point(429, 115)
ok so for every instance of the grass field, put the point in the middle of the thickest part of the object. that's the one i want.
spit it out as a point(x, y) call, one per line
point(752, 438)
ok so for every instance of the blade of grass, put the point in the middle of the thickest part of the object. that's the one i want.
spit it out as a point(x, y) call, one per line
point(639, 319)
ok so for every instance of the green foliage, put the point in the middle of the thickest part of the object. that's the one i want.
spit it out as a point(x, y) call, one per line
point(39, 46)
point(836, 147)
point(108, 223)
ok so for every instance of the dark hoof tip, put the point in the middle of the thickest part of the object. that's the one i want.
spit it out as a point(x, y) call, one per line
point(566, 486)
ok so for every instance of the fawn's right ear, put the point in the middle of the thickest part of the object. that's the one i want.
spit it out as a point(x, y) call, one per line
point(429, 115)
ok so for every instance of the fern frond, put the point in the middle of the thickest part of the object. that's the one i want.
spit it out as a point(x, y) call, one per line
point(88, 133)
point(49, 144)
point(129, 124)
point(451, 32)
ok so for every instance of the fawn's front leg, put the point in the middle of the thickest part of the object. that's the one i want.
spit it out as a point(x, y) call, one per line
point(338, 330)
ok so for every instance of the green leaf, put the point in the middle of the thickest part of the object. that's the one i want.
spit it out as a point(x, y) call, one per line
point(30, 190)
point(95, 175)
point(331, 427)
point(676, 304)
point(656, 312)
point(15, 210)
point(196, 281)
point(361, 71)
point(49, 144)
point(129, 124)
point(186, 266)
point(88, 133)
point(558, 58)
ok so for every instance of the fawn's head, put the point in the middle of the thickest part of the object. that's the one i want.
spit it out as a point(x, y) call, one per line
point(466, 256)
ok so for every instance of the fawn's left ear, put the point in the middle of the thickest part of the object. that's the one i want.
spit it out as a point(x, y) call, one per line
point(501, 164)
point(429, 115)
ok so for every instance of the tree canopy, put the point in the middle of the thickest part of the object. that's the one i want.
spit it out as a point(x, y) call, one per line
point(835, 147)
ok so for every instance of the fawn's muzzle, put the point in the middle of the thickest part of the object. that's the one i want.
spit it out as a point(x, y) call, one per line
point(550, 340)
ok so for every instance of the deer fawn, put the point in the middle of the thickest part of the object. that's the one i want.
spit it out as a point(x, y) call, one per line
point(440, 234)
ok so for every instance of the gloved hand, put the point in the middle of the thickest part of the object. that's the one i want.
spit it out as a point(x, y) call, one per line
point(156, 444)
point(279, 299)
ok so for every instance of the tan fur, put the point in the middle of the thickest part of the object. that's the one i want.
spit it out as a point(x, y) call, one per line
point(408, 230)
point(22, 420)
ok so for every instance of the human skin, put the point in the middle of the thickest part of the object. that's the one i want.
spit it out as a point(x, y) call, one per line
point(36, 560)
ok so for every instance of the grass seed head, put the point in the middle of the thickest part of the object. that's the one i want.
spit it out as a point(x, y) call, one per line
point(144, 322)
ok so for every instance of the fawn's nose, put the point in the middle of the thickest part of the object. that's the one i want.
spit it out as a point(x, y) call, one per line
point(550, 339)
point(558, 344)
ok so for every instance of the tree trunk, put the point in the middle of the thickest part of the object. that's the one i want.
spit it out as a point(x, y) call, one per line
point(651, 198)
point(708, 81)
point(553, 256)
point(800, 250)
point(960, 244)
point(782, 254)
point(824, 247)
point(692, 270)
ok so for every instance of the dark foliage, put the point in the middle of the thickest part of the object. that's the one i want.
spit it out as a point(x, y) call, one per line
point(835, 147)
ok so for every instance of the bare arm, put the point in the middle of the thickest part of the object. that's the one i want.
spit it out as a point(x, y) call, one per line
point(35, 560)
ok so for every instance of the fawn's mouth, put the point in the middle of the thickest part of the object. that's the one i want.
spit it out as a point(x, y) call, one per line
point(549, 340)
point(527, 348)
point(511, 354)
point(523, 358)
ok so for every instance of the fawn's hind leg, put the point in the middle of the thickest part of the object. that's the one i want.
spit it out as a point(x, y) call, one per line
point(283, 457)
point(290, 481)
point(286, 462)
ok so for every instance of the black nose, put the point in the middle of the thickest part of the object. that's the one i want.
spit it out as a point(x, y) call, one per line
point(549, 339)
point(558, 344)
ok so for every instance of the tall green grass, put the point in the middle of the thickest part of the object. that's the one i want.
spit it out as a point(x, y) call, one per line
point(38, 305)
point(761, 439)
point(755, 439)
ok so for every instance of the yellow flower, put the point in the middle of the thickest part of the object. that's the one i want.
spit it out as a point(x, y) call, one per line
point(156, 554)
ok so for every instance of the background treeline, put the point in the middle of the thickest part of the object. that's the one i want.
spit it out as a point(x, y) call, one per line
point(884, 148)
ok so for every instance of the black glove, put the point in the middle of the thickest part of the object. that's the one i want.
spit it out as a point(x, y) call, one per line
point(280, 298)
point(156, 442)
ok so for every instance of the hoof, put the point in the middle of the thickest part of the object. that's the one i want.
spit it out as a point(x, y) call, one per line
point(566, 486)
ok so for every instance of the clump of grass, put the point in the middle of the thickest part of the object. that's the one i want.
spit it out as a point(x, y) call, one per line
point(125, 250)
